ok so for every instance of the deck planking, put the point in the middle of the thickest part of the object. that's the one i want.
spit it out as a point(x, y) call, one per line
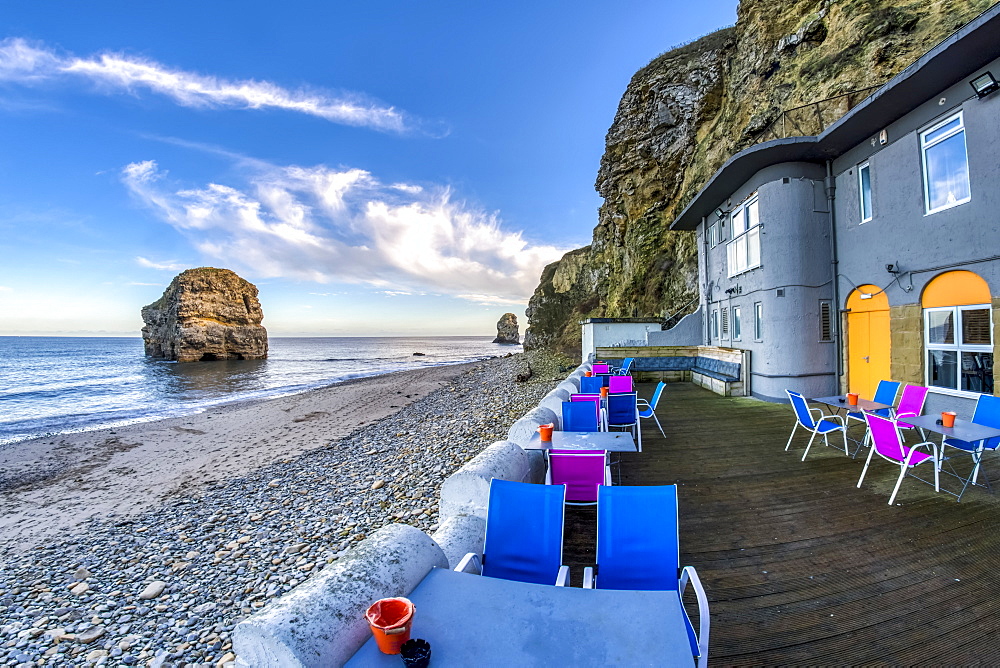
point(801, 566)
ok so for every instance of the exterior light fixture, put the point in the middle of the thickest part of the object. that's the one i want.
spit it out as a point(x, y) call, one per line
point(720, 213)
point(892, 268)
point(984, 84)
point(866, 295)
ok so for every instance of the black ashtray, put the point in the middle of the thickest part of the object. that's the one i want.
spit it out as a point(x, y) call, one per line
point(416, 653)
point(841, 400)
point(939, 421)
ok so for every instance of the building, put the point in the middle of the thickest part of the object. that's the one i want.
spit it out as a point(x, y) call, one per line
point(872, 250)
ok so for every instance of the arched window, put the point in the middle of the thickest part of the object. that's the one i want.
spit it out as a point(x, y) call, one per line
point(958, 333)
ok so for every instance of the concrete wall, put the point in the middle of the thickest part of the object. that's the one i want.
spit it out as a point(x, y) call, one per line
point(689, 331)
point(794, 276)
point(321, 622)
point(597, 334)
point(901, 233)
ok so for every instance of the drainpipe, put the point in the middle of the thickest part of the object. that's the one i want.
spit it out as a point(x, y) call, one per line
point(704, 284)
point(831, 197)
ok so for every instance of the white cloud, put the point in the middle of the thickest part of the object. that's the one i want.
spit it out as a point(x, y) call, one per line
point(321, 224)
point(115, 72)
point(166, 266)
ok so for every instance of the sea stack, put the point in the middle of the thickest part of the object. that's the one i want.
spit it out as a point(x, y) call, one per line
point(507, 329)
point(205, 314)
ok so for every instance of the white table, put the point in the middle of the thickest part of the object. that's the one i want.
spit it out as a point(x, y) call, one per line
point(472, 620)
point(611, 441)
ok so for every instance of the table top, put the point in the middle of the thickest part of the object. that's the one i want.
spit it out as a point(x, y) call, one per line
point(964, 430)
point(472, 620)
point(840, 401)
point(612, 441)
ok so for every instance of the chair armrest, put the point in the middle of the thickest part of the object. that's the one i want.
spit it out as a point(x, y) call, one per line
point(704, 623)
point(563, 578)
point(548, 475)
point(588, 577)
point(607, 475)
point(472, 559)
point(642, 402)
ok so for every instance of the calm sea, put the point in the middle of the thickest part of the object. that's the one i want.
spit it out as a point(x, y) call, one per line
point(61, 384)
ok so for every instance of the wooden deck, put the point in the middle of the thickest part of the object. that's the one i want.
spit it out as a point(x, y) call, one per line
point(800, 566)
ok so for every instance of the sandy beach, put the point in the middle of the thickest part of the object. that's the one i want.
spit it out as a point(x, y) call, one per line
point(146, 545)
point(50, 485)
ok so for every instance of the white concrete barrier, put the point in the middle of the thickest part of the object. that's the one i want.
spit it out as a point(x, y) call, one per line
point(522, 430)
point(321, 622)
point(459, 535)
point(554, 401)
point(467, 491)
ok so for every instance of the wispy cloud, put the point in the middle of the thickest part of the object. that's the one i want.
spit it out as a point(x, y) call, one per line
point(26, 63)
point(321, 224)
point(167, 266)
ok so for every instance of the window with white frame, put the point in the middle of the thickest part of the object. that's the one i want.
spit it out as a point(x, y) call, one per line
point(725, 323)
point(959, 348)
point(946, 164)
point(743, 252)
point(758, 321)
point(736, 323)
point(712, 235)
point(865, 191)
point(715, 324)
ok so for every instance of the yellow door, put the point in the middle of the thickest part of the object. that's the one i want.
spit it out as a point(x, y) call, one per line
point(867, 341)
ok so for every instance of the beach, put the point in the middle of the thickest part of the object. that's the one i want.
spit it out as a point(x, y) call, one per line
point(227, 509)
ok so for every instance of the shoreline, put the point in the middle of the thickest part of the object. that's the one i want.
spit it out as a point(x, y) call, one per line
point(52, 483)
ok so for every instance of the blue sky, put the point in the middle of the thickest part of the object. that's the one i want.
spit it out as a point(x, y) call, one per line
point(376, 168)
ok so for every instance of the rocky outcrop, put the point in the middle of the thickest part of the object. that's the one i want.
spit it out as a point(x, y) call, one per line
point(683, 115)
point(507, 329)
point(205, 314)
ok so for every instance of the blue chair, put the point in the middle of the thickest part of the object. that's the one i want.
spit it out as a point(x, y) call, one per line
point(623, 412)
point(625, 369)
point(638, 548)
point(524, 534)
point(987, 413)
point(647, 409)
point(580, 416)
point(822, 425)
point(591, 384)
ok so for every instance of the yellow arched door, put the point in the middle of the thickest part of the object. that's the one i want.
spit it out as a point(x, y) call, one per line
point(867, 340)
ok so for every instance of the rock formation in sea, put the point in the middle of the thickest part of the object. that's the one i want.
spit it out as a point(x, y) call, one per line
point(688, 111)
point(507, 329)
point(205, 314)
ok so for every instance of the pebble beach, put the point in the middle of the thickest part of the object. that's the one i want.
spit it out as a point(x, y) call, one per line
point(161, 576)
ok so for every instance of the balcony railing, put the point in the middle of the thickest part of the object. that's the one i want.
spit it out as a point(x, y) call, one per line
point(811, 119)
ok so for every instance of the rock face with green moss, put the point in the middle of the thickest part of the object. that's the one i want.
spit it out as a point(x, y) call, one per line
point(507, 329)
point(683, 115)
point(205, 314)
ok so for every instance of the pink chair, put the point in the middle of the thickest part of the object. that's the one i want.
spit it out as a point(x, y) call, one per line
point(619, 384)
point(888, 443)
point(911, 404)
point(596, 398)
point(600, 368)
point(582, 471)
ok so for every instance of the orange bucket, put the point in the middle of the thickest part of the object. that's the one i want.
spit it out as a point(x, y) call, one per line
point(852, 398)
point(588, 374)
point(948, 419)
point(545, 432)
point(604, 391)
point(390, 620)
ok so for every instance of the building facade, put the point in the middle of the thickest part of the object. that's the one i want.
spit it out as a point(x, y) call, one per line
point(871, 251)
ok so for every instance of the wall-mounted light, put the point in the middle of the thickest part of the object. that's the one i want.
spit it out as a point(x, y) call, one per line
point(866, 295)
point(720, 213)
point(984, 84)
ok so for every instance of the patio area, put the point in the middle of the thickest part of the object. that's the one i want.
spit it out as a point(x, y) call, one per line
point(802, 567)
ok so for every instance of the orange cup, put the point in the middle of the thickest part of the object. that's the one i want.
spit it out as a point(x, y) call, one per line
point(588, 374)
point(852, 398)
point(948, 418)
point(390, 620)
point(604, 391)
point(545, 432)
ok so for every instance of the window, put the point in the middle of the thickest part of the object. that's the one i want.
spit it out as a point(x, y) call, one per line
point(715, 324)
point(712, 235)
point(758, 321)
point(736, 323)
point(743, 252)
point(825, 321)
point(959, 346)
point(865, 191)
point(725, 323)
point(946, 165)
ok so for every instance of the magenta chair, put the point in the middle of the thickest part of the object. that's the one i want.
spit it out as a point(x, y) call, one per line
point(600, 368)
point(619, 384)
point(887, 442)
point(582, 471)
point(911, 404)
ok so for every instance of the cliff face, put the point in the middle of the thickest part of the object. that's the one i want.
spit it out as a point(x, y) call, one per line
point(683, 115)
point(205, 314)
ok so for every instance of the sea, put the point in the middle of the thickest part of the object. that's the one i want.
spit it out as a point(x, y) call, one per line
point(54, 385)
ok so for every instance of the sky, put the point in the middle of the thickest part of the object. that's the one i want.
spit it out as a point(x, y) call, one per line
point(380, 168)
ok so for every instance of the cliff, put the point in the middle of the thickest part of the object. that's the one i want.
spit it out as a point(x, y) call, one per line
point(690, 109)
point(205, 314)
